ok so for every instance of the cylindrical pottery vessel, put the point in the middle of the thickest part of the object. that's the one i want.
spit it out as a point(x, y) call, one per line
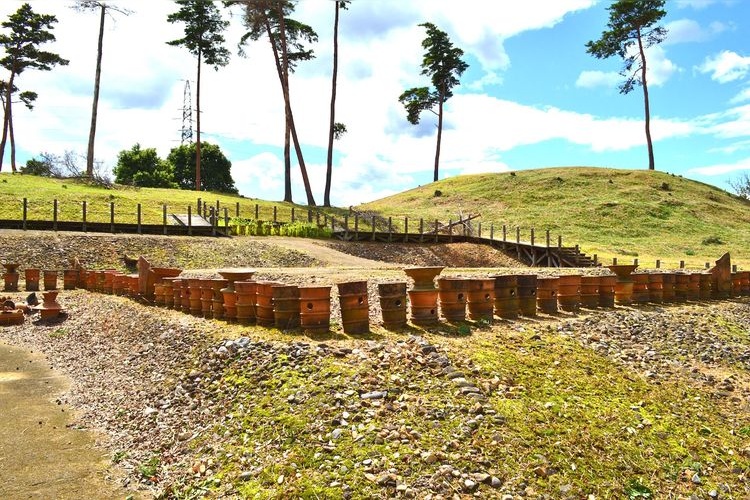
point(70, 279)
point(681, 281)
point(694, 287)
point(480, 298)
point(736, 284)
point(745, 282)
point(118, 284)
point(264, 303)
point(194, 301)
point(109, 281)
point(640, 288)
point(167, 292)
point(452, 298)
point(207, 298)
point(246, 291)
point(11, 277)
point(156, 275)
point(82, 273)
point(217, 306)
point(569, 292)
point(668, 291)
point(31, 277)
point(133, 282)
point(286, 306)
point(355, 307)
point(506, 296)
point(546, 294)
point(91, 280)
point(99, 286)
point(315, 308)
point(424, 277)
point(423, 306)
point(177, 294)
point(705, 286)
point(527, 294)
point(656, 288)
point(590, 291)
point(607, 285)
point(50, 279)
point(49, 308)
point(393, 304)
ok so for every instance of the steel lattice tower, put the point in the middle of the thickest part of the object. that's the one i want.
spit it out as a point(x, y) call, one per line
point(187, 115)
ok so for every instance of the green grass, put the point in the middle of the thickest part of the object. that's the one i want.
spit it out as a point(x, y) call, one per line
point(70, 194)
point(613, 213)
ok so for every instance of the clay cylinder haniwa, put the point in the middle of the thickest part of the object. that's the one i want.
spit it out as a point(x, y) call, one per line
point(423, 306)
point(546, 294)
point(640, 288)
point(694, 287)
point(246, 291)
point(50, 279)
point(315, 308)
point(506, 296)
point(607, 285)
point(590, 291)
point(526, 285)
point(31, 276)
point(355, 307)
point(668, 292)
point(569, 292)
point(393, 304)
point(264, 303)
point(480, 298)
point(286, 311)
point(656, 288)
point(681, 281)
point(705, 286)
point(452, 298)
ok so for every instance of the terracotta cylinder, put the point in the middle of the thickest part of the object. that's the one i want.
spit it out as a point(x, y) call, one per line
point(506, 296)
point(264, 303)
point(590, 291)
point(640, 288)
point(656, 288)
point(569, 292)
point(355, 307)
point(705, 286)
point(133, 288)
point(745, 282)
point(185, 292)
point(82, 273)
point(668, 282)
point(452, 298)
point(217, 305)
point(100, 278)
point(736, 284)
point(423, 307)
point(118, 284)
point(423, 276)
point(167, 292)
point(624, 292)
point(546, 294)
point(527, 284)
point(177, 294)
point(11, 317)
point(607, 290)
point(480, 298)
point(11, 281)
point(109, 280)
point(195, 306)
point(246, 291)
point(315, 308)
point(681, 281)
point(393, 304)
point(285, 306)
point(49, 309)
point(31, 277)
point(50, 279)
point(694, 286)
point(91, 280)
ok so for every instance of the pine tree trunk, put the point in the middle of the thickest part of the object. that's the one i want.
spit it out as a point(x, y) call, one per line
point(649, 143)
point(12, 144)
point(287, 163)
point(439, 137)
point(95, 105)
point(198, 127)
point(287, 103)
point(329, 159)
point(6, 116)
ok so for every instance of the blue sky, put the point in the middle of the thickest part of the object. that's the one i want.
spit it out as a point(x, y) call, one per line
point(531, 98)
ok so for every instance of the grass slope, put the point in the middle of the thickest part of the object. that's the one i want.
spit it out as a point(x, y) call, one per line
point(70, 195)
point(613, 213)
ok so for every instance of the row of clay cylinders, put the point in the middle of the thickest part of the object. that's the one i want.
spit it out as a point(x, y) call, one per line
point(571, 292)
point(668, 287)
point(31, 278)
point(740, 283)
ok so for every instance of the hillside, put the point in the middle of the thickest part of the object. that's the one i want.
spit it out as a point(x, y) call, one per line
point(612, 213)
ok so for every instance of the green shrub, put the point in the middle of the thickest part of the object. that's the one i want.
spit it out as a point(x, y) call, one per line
point(712, 240)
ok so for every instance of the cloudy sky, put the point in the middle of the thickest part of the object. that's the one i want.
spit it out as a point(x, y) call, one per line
point(531, 98)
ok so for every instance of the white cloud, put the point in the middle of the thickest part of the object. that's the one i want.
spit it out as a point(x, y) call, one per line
point(593, 79)
point(688, 30)
point(695, 4)
point(727, 66)
point(722, 168)
point(743, 96)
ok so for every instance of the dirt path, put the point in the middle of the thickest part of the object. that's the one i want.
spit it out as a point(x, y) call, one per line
point(328, 255)
point(40, 456)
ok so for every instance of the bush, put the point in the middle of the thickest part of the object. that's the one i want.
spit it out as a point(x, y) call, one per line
point(712, 240)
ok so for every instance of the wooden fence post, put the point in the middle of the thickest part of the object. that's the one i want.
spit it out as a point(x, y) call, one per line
point(200, 205)
point(505, 233)
point(390, 228)
point(226, 221)
point(346, 226)
point(406, 229)
point(274, 214)
point(479, 231)
point(333, 224)
point(25, 211)
point(138, 216)
point(356, 227)
point(492, 231)
point(54, 214)
point(436, 230)
point(547, 238)
point(682, 264)
point(292, 215)
point(237, 209)
point(164, 218)
point(658, 263)
point(112, 216)
point(596, 259)
point(635, 262)
point(190, 221)
point(83, 210)
point(257, 212)
point(421, 229)
point(214, 220)
point(532, 236)
point(373, 228)
point(518, 234)
point(559, 242)
point(614, 261)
